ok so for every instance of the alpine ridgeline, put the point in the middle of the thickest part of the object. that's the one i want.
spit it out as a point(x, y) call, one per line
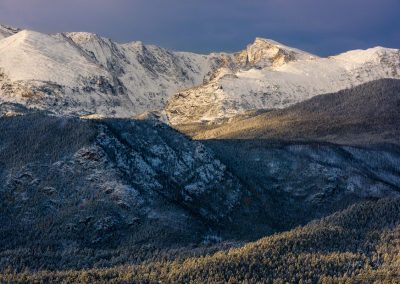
point(85, 74)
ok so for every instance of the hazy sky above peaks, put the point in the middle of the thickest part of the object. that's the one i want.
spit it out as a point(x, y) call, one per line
point(318, 26)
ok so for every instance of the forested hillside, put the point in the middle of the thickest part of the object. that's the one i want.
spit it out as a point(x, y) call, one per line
point(358, 245)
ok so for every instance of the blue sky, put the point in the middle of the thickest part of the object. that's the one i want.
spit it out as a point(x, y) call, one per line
point(319, 26)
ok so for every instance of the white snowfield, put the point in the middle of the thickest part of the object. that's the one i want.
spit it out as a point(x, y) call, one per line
point(87, 75)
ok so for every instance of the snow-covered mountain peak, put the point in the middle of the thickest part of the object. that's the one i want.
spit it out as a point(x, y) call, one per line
point(82, 73)
point(266, 43)
point(269, 53)
point(25, 36)
point(101, 50)
point(134, 44)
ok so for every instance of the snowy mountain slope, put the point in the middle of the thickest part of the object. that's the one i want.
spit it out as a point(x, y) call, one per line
point(85, 74)
point(82, 73)
point(149, 74)
point(280, 84)
point(32, 56)
point(50, 72)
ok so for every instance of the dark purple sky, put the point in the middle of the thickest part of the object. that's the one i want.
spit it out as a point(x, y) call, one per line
point(323, 27)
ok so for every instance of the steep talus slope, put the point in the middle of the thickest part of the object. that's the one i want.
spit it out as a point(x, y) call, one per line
point(280, 85)
point(365, 114)
point(357, 245)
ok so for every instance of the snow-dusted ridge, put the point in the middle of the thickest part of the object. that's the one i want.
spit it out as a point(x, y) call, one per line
point(84, 74)
point(281, 84)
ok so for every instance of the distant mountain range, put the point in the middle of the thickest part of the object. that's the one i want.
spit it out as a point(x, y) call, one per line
point(85, 74)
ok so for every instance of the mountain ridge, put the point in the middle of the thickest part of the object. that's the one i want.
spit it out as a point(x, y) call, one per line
point(81, 73)
point(359, 244)
point(236, 92)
